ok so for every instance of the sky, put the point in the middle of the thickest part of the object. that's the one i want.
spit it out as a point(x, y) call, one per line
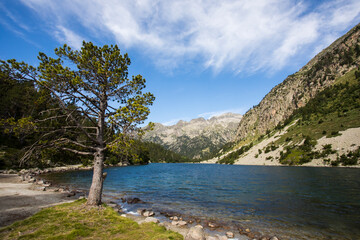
point(200, 58)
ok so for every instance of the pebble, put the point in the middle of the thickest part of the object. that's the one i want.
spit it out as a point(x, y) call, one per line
point(230, 234)
point(212, 225)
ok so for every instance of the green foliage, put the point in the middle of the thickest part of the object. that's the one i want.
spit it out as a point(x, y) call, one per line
point(78, 221)
point(270, 147)
point(88, 108)
point(231, 157)
point(298, 155)
point(351, 158)
point(158, 153)
point(320, 116)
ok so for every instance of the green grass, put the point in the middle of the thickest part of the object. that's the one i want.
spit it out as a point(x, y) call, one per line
point(335, 109)
point(78, 221)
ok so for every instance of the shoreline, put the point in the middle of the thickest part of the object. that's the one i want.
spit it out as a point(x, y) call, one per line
point(166, 218)
point(33, 183)
point(177, 221)
point(22, 199)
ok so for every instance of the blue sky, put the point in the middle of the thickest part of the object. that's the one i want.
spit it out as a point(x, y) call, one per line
point(199, 57)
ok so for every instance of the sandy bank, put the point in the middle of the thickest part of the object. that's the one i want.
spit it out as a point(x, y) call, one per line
point(20, 200)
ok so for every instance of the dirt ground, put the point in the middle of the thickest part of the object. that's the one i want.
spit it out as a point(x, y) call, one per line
point(19, 200)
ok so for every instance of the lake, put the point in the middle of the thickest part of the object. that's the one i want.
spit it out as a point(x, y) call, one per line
point(290, 202)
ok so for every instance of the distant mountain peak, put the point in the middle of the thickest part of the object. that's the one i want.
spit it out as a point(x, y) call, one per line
point(196, 137)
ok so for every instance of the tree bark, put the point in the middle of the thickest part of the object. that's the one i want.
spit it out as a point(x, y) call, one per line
point(97, 180)
point(98, 177)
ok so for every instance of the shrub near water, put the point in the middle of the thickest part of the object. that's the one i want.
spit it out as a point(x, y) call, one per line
point(231, 157)
point(78, 221)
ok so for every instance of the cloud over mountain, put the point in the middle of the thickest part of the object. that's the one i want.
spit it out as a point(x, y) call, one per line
point(236, 35)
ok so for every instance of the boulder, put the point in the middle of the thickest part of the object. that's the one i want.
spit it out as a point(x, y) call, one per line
point(181, 223)
point(212, 238)
point(195, 233)
point(222, 237)
point(40, 182)
point(31, 180)
point(274, 238)
point(71, 194)
point(40, 188)
point(140, 211)
point(148, 213)
point(151, 219)
point(134, 200)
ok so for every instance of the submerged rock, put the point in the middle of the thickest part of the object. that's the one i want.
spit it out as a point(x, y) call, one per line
point(134, 200)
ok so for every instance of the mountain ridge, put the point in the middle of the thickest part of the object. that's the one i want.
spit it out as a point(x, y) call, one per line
point(297, 89)
point(197, 137)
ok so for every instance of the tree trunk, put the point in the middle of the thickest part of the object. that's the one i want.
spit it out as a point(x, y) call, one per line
point(98, 177)
point(97, 180)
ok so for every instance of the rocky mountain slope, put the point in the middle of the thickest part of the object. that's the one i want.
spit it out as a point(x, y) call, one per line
point(196, 138)
point(312, 118)
point(297, 89)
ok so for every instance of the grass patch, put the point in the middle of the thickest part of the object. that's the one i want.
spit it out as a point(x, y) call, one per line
point(78, 221)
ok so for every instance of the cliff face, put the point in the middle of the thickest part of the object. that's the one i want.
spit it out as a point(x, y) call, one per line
point(296, 90)
point(197, 137)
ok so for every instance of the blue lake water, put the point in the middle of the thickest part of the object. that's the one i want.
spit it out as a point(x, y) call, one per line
point(290, 202)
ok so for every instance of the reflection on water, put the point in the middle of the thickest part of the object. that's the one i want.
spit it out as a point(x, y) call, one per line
point(293, 202)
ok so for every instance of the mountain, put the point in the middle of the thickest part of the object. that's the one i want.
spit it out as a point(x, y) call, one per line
point(311, 118)
point(196, 138)
point(297, 89)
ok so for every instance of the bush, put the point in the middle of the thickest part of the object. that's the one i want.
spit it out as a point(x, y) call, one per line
point(231, 157)
point(351, 158)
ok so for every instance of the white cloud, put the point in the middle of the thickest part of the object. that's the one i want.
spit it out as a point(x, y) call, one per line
point(245, 35)
point(172, 122)
point(208, 115)
point(64, 35)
